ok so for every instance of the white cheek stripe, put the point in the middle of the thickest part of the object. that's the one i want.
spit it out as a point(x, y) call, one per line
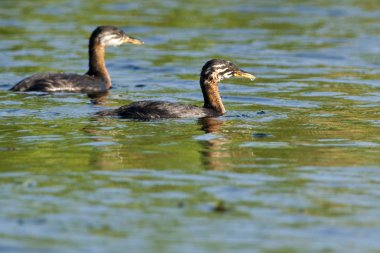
point(227, 75)
point(111, 40)
point(221, 70)
point(217, 71)
point(219, 65)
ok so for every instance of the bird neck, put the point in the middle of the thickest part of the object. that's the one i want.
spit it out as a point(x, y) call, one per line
point(211, 95)
point(97, 66)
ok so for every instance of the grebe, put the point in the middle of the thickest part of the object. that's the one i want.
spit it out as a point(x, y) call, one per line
point(96, 79)
point(212, 72)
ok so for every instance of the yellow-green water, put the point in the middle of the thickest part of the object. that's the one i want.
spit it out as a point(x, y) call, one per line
point(294, 166)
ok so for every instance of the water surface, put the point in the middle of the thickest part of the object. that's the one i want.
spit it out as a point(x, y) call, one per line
point(292, 167)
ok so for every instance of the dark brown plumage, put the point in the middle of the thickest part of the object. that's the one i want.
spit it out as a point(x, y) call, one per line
point(96, 79)
point(212, 72)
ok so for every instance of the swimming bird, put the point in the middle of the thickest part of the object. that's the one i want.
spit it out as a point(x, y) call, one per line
point(212, 72)
point(96, 79)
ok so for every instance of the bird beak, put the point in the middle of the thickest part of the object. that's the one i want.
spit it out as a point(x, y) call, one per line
point(131, 40)
point(241, 73)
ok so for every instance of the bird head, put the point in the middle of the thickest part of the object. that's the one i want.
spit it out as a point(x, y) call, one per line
point(112, 36)
point(220, 69)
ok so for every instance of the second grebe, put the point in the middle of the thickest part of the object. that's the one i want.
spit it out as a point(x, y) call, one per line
point(212, 72)
point(96, 79)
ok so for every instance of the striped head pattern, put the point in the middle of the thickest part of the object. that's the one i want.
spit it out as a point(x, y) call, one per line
point(219, 69)
point(112, 36)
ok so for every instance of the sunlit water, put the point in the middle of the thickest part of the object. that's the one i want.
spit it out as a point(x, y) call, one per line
point(292, 167)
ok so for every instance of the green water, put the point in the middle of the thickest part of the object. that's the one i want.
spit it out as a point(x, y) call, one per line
point(294, 165)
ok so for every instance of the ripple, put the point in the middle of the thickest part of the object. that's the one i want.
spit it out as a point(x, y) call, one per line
point(321, 94)
point(207, 137)
point(264, 145)
point(16, 112)
point(99, 143)
point(357, 144)
point(41, 138)
point(276, 102)
point(10, 102)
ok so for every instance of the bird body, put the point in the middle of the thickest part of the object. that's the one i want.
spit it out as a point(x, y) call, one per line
point(96, 79)
point(212, 72)
point(148, 110)
point(56, 82)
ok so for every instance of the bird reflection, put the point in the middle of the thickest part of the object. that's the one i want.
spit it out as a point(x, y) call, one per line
point(98, 98)
point(106, 151)
point(214, 155)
